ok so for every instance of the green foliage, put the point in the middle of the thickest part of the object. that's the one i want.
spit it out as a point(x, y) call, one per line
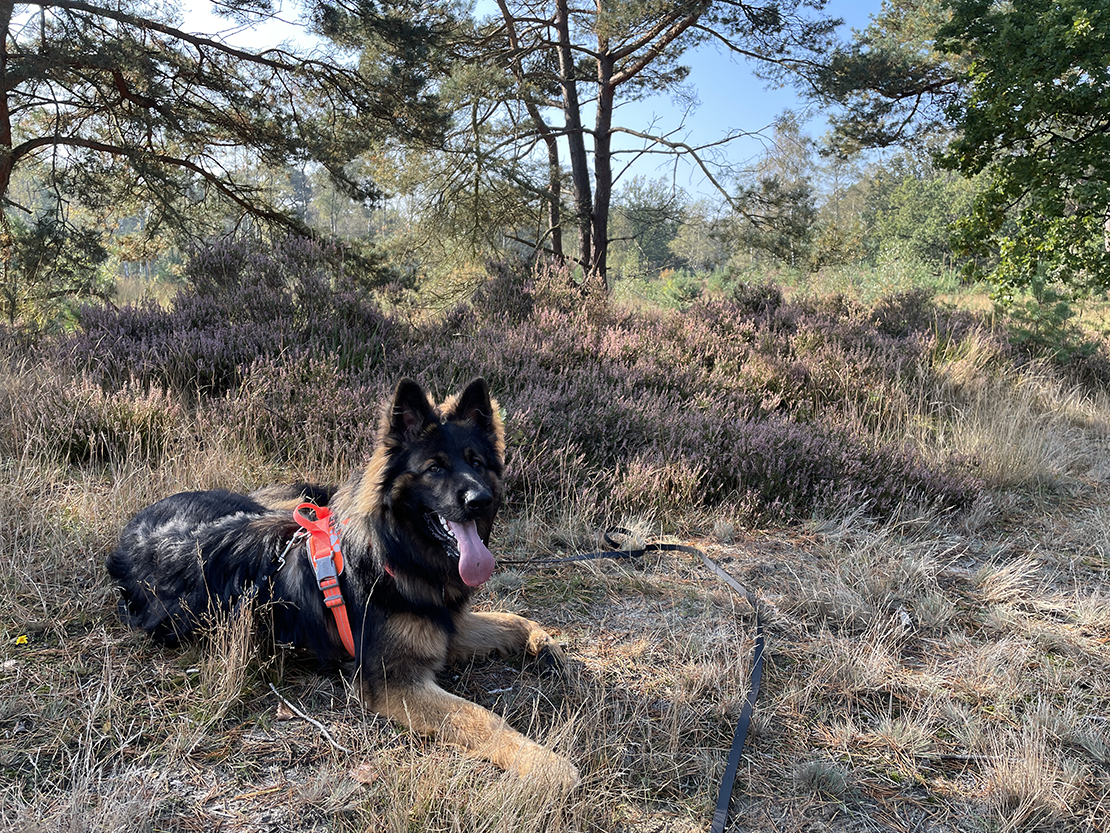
point(1036, 118)
point(533, 73)
point(915, 208)
point(1043, 322)
point(777, 209)
point(779, 219)
point(893, 79)
point(699, 240)
point(682, 288)
point(1023, 88)
point(646, 218)
point(48, 266)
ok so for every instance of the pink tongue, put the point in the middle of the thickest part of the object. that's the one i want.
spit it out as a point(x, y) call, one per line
point(476, 562)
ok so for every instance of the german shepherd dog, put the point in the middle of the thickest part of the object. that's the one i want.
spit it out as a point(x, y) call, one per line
point(412, 529)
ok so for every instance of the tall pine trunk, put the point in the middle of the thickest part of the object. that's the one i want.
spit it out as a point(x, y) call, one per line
point(603, 169)
point(576, 139)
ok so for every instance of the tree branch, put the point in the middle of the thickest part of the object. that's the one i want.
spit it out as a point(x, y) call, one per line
point(685, 149)
point(179, 34)
point(226, 188)
point(666, 31)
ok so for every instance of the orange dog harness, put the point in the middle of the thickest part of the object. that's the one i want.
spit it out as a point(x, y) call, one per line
point(327, 561)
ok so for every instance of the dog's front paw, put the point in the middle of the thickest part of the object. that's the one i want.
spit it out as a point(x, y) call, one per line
point(549, 654)
point(538, 764)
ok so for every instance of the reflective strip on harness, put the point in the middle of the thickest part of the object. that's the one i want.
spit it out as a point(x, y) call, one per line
point(327, 561)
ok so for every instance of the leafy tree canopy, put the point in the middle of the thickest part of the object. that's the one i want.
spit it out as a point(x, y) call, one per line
point(1020, 93)
point(537, 99)
point(49, 263)
point(1035, 115)
point(779, 206)
point(913, 204)
point(893, 80)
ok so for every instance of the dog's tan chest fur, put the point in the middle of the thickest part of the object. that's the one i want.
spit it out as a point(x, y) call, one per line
point(422, 638)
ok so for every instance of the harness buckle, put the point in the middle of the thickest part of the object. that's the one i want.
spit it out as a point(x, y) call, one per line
point(325, 569)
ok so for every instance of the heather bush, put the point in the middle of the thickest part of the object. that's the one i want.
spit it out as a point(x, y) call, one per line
point(310, 413)
point(505, 295)
point(84, 423)
point(756, 298)
point(241, 304)
point(734, 402)
point(902, 313)
point(745, 403)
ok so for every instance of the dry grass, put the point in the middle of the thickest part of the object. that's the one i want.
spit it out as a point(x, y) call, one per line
point(1020, 428)
point(927, 673)
point(1027, 784)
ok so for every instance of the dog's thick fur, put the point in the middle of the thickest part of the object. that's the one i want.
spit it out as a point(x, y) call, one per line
point(410, 524)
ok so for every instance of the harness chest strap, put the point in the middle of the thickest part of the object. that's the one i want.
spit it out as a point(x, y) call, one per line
point(327, 562)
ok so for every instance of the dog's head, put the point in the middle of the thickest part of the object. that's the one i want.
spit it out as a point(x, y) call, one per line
point(439, 473)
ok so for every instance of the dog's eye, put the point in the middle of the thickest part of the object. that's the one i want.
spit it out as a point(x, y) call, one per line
point(477, 464)
point(434, 468)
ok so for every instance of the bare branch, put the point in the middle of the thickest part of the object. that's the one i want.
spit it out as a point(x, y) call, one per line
point(694, 152)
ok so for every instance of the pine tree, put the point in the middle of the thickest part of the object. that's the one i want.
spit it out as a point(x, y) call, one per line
point(115, 105)
point(538, 96)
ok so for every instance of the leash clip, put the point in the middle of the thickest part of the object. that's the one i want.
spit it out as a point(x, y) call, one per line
point(298, 536)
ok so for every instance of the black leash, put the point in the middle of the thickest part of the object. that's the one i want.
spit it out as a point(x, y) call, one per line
point(728, 780)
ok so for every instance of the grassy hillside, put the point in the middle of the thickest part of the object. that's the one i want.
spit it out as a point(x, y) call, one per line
point(922, 509)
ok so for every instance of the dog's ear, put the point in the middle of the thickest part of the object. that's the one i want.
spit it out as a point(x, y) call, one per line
point(410, 412)
point(472, 405)
point(475, 405)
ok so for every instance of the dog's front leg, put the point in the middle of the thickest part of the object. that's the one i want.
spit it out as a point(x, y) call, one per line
point(477, 635)
point(428, 709)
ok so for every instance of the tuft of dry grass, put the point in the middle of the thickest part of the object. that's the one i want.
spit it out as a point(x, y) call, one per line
point(1020, 427)
point(1008, 583)
point(1028, 785)
point(821, 777)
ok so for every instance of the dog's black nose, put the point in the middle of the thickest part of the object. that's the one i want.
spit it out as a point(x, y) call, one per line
point(477, 500)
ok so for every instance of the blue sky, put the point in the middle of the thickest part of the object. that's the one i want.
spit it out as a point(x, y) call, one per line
point(732, 99)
